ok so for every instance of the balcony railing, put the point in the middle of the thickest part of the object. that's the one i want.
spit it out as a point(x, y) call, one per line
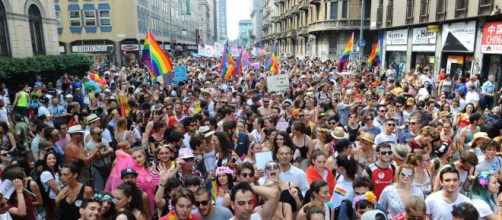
point(485, 7)
point(329, 25)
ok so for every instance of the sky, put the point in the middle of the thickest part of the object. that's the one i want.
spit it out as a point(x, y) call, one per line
point(237, 10)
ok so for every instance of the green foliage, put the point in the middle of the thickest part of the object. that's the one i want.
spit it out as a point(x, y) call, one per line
point(16, 70)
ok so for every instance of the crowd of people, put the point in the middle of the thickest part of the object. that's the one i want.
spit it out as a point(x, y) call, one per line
point(359, 145)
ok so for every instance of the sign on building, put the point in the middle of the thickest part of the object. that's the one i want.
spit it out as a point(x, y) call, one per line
point(459, 37)
point(396, 37)
point(492, 38)
point(89, 48)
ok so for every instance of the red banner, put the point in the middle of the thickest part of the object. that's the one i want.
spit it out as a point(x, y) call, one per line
point(492, 38)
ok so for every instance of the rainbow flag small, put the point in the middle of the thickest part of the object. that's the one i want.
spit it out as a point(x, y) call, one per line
point(375, 56)
point(345, 57)
point(155, 58)
point(272, 64)
point(246, 61)
point(239, 64)
point(227, 64)
point(340, 191)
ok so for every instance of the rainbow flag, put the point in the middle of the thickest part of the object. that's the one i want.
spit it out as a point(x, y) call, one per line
point(340, 191)
point(246, 61)
point(375, 56)
point(239, 64)
point(345, 57)
point(155, 58)
point(272, 64)
point(227, 64)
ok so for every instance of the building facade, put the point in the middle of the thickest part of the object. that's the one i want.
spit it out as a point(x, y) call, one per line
point(221, 20)
point(245, 32)
point(315, 27)
point(206, 24)
point(28, 28)
point(464, 36)
point(115, 30)
point(257, 20)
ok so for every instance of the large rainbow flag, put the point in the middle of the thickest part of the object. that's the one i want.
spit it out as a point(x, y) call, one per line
point(155, 58)
point(375, 56)
point(227, 64)
point(272, 64)
point(345, 57)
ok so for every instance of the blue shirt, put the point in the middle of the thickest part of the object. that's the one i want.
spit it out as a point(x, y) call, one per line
point(56, 110)
point(487, 87)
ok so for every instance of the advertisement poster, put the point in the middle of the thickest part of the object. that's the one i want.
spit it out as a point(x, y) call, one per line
point(459, 37)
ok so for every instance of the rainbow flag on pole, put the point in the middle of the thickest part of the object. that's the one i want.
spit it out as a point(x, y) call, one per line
point(375, 56)
point(227, 64)
point(345, 57)
point(272, 64)
point(155, 58)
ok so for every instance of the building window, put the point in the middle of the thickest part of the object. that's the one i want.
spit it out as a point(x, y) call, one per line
point(104, 18)
point(485, 7)
point(461, 8)
point(334, 10)
point(36, 31)
point(58, 18)
point(4, 32)
point(90, 18)
point(345, 8)
point(409, 11)
point(75, 19)
point(424, 11)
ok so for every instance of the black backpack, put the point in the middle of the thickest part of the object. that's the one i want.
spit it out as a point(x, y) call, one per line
point(492, 127)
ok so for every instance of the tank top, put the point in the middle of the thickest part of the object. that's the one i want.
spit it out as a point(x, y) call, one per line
point(70, 210)
point(22, 101)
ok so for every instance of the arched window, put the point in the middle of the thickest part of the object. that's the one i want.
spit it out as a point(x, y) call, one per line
point(36, 31)
point(4, 32)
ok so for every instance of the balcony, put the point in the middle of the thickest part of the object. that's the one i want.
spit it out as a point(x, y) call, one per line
point(304, 5)
point(296, 9)
point(303, 30)
point(335, 25)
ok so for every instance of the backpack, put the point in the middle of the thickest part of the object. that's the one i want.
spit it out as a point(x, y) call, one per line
point(348, 212)
point(492, 127)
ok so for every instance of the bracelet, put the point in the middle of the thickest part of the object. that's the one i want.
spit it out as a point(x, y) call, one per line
point(162, 185)
point(19, 191)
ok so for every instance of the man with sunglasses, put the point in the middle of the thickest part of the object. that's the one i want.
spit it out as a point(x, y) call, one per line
point(382, 171)
point(387, 134)
point(206, 209)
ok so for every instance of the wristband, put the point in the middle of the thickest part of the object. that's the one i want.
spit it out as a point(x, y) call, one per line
point(162, 185)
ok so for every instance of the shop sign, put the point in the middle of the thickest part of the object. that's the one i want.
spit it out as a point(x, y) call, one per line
point(129, 47)
point(396, 37)
point(459, 37)
point(433, 28)
point(421, 35)
point(89, 48)
point(492, 38)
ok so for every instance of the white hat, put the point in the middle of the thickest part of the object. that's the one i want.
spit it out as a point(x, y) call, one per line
point(92, 118)
point(206, 131)
point(69, 96)
point(75, 129)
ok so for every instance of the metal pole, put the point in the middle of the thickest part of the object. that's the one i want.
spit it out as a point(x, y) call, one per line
point(361, 33)
point(171, 31)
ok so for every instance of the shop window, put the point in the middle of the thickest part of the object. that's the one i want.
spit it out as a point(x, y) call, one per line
point(36, 31)
point(75, 19)
point(104, 18)
point(4, 32)
point(90, 18)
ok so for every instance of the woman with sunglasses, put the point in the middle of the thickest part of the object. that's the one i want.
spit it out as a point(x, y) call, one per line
point(422, 177)
point(51, 182)
point(415, 209)
point(107, 210)
point(484, 189)
point(164, 154)
point(394, 196)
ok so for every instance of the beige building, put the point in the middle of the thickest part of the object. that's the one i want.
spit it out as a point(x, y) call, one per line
point(27, 28)
point(206, 24)
point(312, 27)
point(461, 36)
point(115, 29)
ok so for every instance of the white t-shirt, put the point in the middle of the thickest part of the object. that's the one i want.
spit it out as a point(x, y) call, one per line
point(439, 209)
point(343, 190)
point(482, 207)
point(44, 178)
point(382, 137)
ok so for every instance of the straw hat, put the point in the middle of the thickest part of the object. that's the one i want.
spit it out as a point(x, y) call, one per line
point(400, 151)
point(477, 136)
point(339, 133)
point(367, 137)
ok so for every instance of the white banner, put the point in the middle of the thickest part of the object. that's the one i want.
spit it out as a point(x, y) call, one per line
point(459, 37)
point(129, 47)
point(396, 37)
point(422, 36)
point(206, 51)
point(278, 83)
point(89, 48)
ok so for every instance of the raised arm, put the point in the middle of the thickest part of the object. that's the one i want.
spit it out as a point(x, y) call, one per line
point(272, 197)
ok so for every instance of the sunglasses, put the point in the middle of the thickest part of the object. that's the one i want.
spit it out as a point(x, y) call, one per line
point(102, 197)
point(391, 125)
point(386, 153)
point(332, 123)
point(301, 116)
point(406, 174)
point(415, 218)
point(368, 119)
point(413, 123)
point(272, 167)
point(245, 175)
point(203, 203)
point(383, 110)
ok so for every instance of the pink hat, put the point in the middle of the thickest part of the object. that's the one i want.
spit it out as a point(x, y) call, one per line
point(186, 153)
point(224, 170)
